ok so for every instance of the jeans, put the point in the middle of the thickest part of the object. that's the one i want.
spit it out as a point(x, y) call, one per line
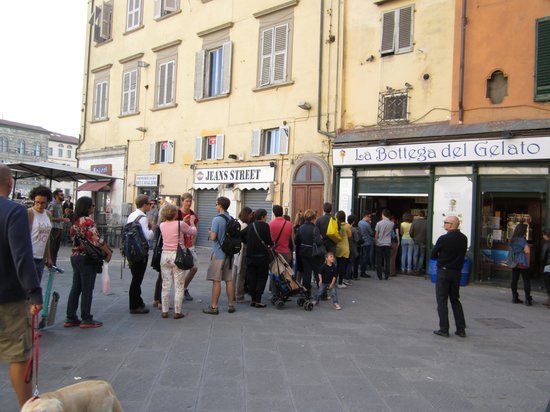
point(84, 275)
point(407, 254)
point(39, 264)
point(447, 288)
point(138, 271)
point(383, 257)
point(333, 293)
point(366, 258)
point(419, 256)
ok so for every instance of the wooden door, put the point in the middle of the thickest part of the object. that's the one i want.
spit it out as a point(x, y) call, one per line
point(308, 189)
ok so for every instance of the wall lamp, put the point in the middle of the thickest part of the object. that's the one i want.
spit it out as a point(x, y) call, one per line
point(141, 63)
point(304, 105)
point(141, 129)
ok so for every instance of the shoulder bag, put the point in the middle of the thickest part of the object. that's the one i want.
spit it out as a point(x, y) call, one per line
point(270, 252)
point(184, 257)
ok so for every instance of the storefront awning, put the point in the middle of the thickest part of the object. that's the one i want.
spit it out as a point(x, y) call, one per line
point(94, 186)
point(253, 186)
point(206, 186)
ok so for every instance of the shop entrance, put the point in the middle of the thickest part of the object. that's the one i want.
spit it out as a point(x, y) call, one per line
point(397, 204)
point(500, 213)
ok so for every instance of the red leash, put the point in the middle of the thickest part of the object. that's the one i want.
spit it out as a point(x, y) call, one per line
point(35, 355)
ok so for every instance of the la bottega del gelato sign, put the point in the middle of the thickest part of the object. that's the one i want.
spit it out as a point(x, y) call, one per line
point(456, 151)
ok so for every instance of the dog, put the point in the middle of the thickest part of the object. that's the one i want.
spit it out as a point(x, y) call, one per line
point(87, 396)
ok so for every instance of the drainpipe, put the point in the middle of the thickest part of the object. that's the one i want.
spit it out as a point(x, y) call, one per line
point(462, 52)
point(320, 70)
point(82, 138)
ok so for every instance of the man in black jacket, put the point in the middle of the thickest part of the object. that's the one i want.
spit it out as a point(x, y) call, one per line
point(19, 287)
point(449, 251)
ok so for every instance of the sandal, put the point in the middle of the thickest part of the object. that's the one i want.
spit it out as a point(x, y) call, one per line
point(164, 315)
point(211, 311)
point(230, 308)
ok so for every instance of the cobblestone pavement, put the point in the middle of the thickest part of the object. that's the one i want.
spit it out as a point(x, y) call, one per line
point(377, 354)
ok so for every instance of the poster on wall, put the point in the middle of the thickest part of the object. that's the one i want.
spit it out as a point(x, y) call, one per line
point(344, 196)
point(452, 197)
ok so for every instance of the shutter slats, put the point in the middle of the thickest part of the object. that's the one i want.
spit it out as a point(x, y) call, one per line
point(266, 56)
point(388, 29)
point(226, 67)
point(280, 53)
point(404, 38)
point(199, 74)
point(255, 143)
point(542, 66)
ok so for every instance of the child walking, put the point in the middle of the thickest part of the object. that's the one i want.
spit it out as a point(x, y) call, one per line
point(327, 280)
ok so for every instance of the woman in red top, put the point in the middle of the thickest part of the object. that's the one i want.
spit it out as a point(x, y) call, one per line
point(84, 272)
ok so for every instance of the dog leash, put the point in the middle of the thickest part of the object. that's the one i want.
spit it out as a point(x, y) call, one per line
point(35, 356)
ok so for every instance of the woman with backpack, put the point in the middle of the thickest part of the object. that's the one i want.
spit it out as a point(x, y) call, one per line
point(258, 257)
point(521, 254)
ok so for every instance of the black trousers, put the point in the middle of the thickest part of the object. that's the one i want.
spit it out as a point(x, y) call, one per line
point(447, 288)
point(311, 267)
point(546, 279)
point(256, 278)
point(138, 271)
point(526, 276)
point(55, 243)
point(383, 257)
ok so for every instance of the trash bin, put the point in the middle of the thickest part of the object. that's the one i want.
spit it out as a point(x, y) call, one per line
point(464, 273)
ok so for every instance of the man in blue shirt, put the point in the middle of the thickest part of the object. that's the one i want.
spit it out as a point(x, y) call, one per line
point(19, 287)
point(220, 264)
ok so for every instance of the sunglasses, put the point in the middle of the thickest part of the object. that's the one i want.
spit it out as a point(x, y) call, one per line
point(40, 203)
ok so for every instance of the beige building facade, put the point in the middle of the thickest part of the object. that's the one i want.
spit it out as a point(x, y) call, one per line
point(213, 97)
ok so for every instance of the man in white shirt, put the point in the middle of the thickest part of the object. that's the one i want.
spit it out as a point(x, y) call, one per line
point(137, 306)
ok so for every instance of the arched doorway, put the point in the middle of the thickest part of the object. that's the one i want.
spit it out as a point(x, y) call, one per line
point(308, 187)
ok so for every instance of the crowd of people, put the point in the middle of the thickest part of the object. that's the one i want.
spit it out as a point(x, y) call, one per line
point(327, 252)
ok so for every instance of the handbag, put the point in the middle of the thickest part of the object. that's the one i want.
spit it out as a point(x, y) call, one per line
point(184, 257)
point(317, 250)
point(157, 252)
point(94, 253)
point(333, 230)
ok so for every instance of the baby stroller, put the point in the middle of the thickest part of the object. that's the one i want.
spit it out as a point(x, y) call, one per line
point(283, 285)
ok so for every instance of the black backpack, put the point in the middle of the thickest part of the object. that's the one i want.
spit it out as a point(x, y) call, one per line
point(231, 244)
point(135, 247)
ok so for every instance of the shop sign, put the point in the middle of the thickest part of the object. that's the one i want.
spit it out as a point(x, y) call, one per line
point(147, 180)
point(530, 148)
point(259, 174)
point(452, 197)
point(106, 169)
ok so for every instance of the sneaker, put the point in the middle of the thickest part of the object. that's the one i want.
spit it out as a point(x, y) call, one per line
point(69, 323)
point(342, 286)
point(315, 302)
point(211, 311)
point(186, 295)
point(91, 324)
point(347, 282)
point(141, 310)
point(337, 306)
point(230, 308)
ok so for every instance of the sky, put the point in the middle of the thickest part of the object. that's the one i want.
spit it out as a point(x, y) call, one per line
point(42, 51)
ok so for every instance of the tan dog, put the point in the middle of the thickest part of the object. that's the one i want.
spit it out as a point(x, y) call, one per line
point(87, 396)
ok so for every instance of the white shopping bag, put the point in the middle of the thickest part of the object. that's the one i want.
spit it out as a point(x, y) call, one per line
point(105, 279)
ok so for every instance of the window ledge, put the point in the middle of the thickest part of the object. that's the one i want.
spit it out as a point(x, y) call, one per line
point(109, 40)
point(106, 119)
point(273, 86)
point(133, 29)
point(167, 15)
point(166, 106)
point(122, 116)
point(217, 97)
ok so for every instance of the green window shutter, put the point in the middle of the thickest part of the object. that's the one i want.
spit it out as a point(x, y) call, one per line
point(542, 64)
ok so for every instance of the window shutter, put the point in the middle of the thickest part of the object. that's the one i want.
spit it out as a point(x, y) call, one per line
point(266, 56)
point(171, 5)
point(219, 146)
point(284, 134)
point(170, 151)
point(255, 144)
point(280, 53)
point(103, 109)
point(405, 30)
point(170, 82)
point(226, 79)
point(199, 74)
point(97, 101)
point(542, 65)
point(126, 93)
point(158, 8)
point(133, 91)
point(388, 32)
point(152, 152)
point(105, 23)
point(198, 147)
